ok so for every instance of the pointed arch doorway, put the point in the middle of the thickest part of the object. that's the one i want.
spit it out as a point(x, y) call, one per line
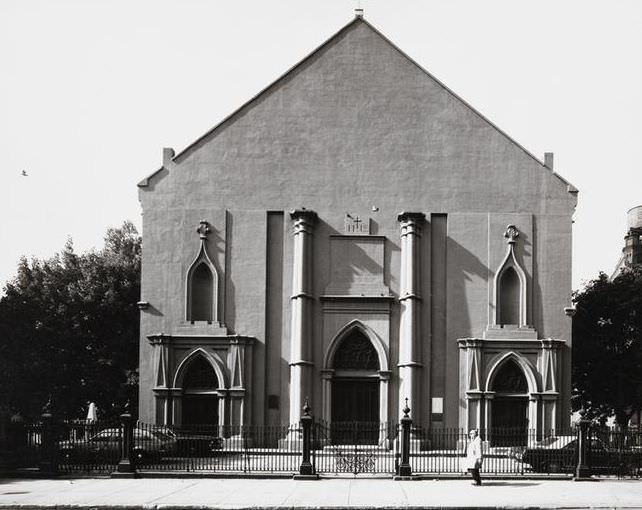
point(509, 415)
point(355, 387)
point(200, 398)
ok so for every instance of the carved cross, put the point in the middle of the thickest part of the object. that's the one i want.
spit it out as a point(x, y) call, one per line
point(203, 229)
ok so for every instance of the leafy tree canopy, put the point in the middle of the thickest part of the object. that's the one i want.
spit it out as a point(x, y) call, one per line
point(607, 347)
point(69, 329)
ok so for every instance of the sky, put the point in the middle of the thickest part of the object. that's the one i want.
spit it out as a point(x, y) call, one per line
point(91, 91)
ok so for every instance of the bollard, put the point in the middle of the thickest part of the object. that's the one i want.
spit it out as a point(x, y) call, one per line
point(405, 469)
point(126, 467)
point(48, 465)
point(306, 469)
point(583, 470)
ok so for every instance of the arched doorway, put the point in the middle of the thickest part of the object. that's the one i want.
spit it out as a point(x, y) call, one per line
point(355, 391)
point(199, 395)
point(509, 417)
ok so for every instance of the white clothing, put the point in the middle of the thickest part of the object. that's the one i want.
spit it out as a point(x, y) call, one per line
point(473, 454)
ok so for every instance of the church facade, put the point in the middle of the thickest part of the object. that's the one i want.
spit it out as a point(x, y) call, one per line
point(356, 235)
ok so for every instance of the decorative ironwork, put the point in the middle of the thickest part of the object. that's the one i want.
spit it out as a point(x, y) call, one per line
point(356, 352)
point(355, 463)
point(200, 374)
point(345, 451)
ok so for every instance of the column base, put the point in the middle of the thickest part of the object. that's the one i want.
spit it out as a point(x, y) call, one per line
point(305, 477)
point(125, 469)
point(403, 478)
point(583, 474)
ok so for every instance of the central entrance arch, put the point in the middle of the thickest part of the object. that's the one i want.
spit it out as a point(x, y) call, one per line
point(355, 389)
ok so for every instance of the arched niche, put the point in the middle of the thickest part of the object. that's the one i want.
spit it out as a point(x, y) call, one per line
point(510, 287)
point(202, 289)
point(509, 297)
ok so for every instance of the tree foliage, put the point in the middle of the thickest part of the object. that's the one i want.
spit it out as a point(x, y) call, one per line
point(607, 347)
point(69, 328)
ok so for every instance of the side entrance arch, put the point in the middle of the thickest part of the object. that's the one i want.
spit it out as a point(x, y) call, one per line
point(199, 392)
point(510, 404)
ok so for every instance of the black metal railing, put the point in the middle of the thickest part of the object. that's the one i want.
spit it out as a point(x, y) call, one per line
point(354, 447)
point(191, 448)
point(87, 446)
point(126, 447)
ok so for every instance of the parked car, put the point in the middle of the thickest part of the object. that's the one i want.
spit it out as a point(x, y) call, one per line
point(559, 455)
point(196, 442)
point(105, 446)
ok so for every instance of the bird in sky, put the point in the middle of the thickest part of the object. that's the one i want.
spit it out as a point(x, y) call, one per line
point(24, 173)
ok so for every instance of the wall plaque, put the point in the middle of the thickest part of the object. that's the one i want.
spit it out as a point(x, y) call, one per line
point(356, 226)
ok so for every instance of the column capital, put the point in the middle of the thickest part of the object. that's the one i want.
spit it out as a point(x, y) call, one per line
point(304, 215)
point(411, 217)
point(552, 343)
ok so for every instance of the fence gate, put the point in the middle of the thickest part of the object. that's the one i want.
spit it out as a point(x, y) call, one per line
point(354, 448)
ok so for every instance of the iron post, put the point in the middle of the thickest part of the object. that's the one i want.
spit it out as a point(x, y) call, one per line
point(583, 469)
point(404, 467)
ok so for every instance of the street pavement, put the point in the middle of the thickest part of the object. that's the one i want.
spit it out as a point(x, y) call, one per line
point(366, 493)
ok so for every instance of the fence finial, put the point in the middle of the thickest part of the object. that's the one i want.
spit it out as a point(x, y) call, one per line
point(406, 410)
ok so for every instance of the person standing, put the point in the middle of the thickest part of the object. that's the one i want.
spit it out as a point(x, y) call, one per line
point(474, 456)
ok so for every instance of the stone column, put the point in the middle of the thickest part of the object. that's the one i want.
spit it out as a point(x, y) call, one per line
point(301, 306)
point(409, 321)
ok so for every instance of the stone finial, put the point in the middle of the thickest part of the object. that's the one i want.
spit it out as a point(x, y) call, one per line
point(306, 407)
point(406, 410)
point(203, 229)
point(511, 234)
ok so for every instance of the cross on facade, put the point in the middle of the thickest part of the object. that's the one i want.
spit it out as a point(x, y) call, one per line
point(358, 10)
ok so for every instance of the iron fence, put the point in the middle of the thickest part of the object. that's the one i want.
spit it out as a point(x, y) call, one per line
point(192, 448)
point(354, 447)
point(87, 446)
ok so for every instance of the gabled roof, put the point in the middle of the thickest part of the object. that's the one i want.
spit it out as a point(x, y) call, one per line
point(358, 20)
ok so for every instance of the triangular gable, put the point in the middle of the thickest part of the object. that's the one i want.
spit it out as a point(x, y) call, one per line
point(359, 20)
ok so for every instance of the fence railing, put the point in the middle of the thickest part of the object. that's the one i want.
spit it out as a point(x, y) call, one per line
point(313, 447)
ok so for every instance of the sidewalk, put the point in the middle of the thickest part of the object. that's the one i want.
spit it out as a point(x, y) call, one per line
point(364, 493)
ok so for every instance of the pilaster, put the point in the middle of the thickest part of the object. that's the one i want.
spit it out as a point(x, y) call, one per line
point(409, 321)
point(301, 304)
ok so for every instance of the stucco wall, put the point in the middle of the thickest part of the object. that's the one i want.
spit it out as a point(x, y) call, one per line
point(356, 126)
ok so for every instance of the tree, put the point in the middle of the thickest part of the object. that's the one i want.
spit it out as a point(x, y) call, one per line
point(607, 347)
point(69, 328)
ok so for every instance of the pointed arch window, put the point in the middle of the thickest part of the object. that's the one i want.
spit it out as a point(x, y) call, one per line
point(510, 378)
point(200, 375)
point(356, 352)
